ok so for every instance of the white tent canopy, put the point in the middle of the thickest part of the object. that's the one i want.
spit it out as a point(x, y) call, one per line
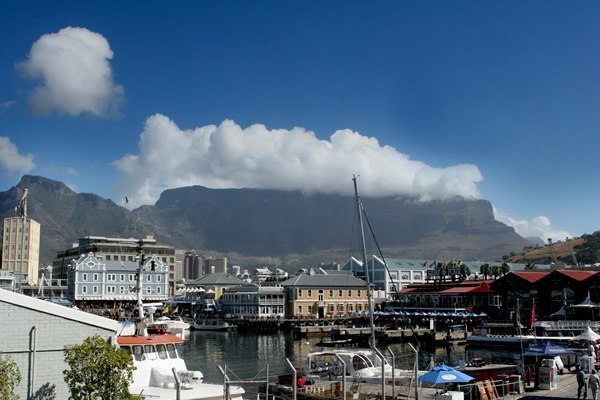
point(587, 334)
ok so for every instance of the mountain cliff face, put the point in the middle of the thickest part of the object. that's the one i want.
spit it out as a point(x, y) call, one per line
point(250, 224)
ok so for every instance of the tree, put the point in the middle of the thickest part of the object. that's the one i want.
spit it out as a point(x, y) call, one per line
point(98, 371)
point(10, 378)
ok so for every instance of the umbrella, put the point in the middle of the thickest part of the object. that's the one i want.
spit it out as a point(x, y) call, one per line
point(444, 374)
point(587, 334)
point(546, 349)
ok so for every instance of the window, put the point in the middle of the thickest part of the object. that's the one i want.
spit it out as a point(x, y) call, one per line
point(95, 277)
point(158, 278)
point(350, 307)
point(162, 351)
point(122, 290)
point(299, 292)
point(107, 257)
point(84, 277)
point(149, 278)
point(138, 353)
point(95, 289)
point(340, 293)
point(309, 293)
point(158, 289)
point(330, 293)
point(340, 307)
point(84, 289)
point(122, 277)
point(349, 292)
point(310, 310)
point(171, 350)
point(148, 289)
point(299, 310)
point(331, 308)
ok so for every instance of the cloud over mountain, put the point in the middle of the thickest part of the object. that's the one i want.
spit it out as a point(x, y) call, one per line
point(539, 226)
point(11, 160)
point(229, 156)
point(74, 75)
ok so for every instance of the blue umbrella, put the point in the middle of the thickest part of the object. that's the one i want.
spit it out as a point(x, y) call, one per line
point(546, 349)
point(444, 374)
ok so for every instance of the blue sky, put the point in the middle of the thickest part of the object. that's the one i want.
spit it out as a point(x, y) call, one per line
point(435, 99)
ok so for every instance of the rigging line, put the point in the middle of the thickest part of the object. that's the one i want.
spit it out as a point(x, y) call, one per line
point(387, 269)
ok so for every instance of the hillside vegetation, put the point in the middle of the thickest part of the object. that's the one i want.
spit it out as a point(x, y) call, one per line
point(583, 250)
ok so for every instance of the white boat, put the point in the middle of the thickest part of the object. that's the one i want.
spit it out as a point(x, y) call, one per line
point(173, 322)
point(160, 373)
point(210, 324)
point(362, 366)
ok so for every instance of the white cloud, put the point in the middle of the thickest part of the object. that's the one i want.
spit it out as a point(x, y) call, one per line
point(229, 156)
point(10, 159)
point(74, 74)
point(539, 226)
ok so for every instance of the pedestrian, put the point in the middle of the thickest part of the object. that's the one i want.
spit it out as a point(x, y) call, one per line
point(581, 389)
point(594, 382)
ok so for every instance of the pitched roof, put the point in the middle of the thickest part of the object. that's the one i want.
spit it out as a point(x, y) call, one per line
point(531, 276)
point(577, 275)
point(325, 281)
point(57, 310)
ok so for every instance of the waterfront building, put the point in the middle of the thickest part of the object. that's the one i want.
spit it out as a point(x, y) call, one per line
point(550, 290)
point(322, 296)
point(253, 301)
point(92, 279)
point(466, 295)
point(118, 249)
point(36, 332)
point(204, 294)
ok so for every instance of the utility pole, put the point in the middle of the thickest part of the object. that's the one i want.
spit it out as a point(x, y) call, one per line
point(552, 250)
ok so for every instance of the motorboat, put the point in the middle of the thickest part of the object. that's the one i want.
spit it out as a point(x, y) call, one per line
point(362, 365)
point(211, 324)
point(160, 372)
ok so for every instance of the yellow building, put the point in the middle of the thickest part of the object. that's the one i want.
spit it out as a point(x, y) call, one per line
point(325, 296)
point(21, 247)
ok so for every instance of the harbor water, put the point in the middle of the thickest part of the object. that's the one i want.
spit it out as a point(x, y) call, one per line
point(248, 356)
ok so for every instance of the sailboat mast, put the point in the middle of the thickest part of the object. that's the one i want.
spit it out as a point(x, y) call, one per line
point(359, 208)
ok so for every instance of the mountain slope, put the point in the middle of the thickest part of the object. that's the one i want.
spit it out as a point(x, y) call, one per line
point(248, 224)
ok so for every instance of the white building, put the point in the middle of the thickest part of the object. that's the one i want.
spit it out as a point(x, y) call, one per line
point(93, 278)
point(253, 301)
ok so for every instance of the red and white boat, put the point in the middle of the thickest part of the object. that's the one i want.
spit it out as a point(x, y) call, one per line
point(160, 373)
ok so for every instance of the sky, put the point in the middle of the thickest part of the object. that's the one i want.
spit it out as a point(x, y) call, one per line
point(495, 100)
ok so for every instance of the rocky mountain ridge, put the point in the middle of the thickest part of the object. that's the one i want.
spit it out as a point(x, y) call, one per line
point(269, 226)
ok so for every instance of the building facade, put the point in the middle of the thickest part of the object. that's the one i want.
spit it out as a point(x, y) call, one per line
point(21, 248)
point(118, 250)
point(253, 301)
point(322, 296)
point(93, 279)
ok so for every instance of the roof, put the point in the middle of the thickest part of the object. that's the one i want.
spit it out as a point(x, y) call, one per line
point(469, 286)
point(324, 281)
point(577, 275)
point(57, 310)
point(531, 276)
point(151, 339)
point(218, 279)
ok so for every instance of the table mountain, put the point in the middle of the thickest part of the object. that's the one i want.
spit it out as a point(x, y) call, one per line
point(247, 224)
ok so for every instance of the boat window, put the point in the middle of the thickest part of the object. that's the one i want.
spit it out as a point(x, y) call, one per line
point(150, 352)
point(171, 350)
point(358, 363)
point(138, 353)
point(162, 351)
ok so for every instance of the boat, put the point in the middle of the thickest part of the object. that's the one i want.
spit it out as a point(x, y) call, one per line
point(173, 322)
point(211, 324)
point(499, 334)
point(362, 366)
point(160, 372)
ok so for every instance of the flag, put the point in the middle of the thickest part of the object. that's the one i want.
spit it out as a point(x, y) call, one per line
point(176, 310)
point(532, 321)
point(166, 309)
